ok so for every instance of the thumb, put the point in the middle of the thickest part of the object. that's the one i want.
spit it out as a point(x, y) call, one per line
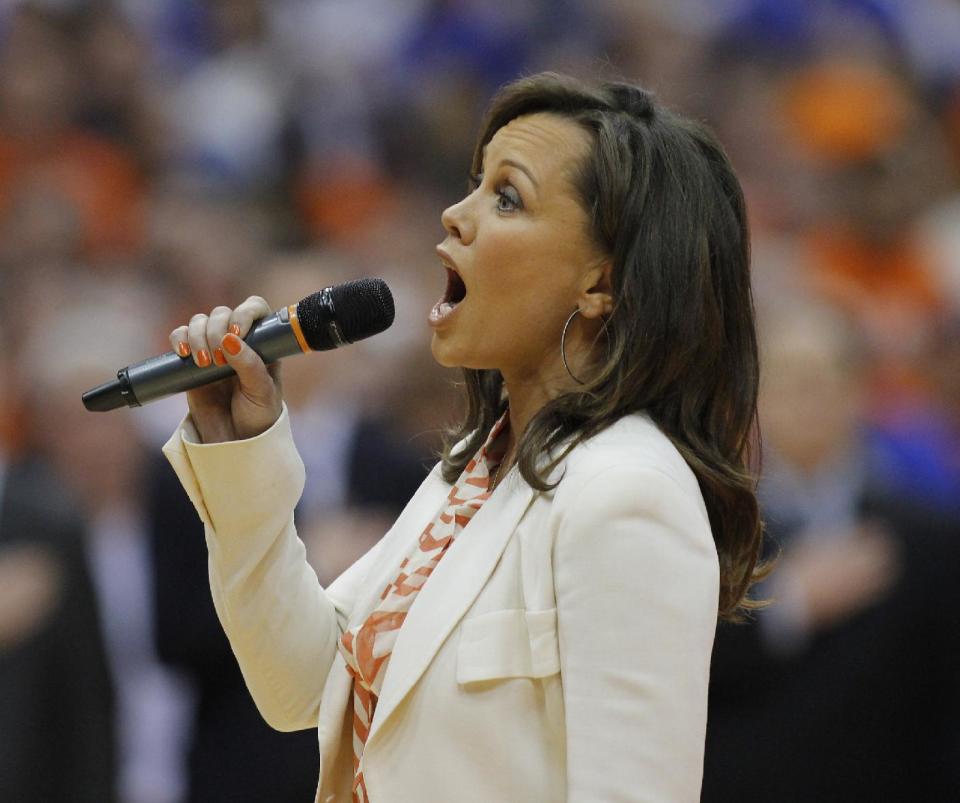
point(256, 382)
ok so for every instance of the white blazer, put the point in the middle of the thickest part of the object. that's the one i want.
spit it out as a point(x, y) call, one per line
point(559, 652)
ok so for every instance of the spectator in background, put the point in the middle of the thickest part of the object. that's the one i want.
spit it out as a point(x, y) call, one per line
point(846, 688)
point(56, 726)
point(863, 125)
point(41, 147)
point(120, 96)
point(918, 445)
point(230, 110)
point(101, 460)
point(879, 251)
point(233, 756)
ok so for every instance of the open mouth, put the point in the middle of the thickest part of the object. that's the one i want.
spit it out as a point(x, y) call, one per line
point(456, 290)
point(454, 293)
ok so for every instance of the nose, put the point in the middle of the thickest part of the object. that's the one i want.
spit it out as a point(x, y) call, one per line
point(457, 221)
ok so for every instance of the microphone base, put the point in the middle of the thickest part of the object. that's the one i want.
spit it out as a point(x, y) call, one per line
point(110, 396)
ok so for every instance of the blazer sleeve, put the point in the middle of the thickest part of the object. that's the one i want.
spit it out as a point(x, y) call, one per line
point(282, 625)
point(637, 584)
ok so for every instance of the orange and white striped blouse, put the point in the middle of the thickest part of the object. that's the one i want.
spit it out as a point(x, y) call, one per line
point(367, 647)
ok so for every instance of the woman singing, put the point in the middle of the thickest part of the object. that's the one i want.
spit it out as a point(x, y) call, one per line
point(537, 624)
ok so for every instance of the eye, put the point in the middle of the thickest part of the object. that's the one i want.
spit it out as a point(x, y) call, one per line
point(508, 199)
point(474, 180)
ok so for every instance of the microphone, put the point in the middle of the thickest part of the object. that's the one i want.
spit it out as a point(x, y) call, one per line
point(327, 319)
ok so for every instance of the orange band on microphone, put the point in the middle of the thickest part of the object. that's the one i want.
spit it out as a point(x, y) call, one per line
point(297, 330)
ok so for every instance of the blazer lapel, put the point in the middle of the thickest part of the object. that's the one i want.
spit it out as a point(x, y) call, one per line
point(450, 591)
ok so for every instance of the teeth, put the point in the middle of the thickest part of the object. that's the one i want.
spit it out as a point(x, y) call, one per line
point(441, 309)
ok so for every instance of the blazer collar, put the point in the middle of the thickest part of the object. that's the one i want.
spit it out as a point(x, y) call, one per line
point(450, 591)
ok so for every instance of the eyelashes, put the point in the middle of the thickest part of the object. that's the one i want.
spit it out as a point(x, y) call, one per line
point(506, 193)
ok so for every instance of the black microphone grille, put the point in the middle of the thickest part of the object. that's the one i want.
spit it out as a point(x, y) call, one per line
point(345, 312)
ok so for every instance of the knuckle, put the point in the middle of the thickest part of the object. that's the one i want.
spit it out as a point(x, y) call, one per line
point(220, 310)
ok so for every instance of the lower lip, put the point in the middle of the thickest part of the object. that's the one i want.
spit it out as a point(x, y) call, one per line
point(441, 313)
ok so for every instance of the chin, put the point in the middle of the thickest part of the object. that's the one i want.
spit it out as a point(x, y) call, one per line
point(443, 354)
point(449, 356)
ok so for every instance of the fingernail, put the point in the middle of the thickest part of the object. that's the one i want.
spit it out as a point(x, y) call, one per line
point(218, 357)
point(183, 349)
point(232, 344)
point(235, 329)
point(203, 358)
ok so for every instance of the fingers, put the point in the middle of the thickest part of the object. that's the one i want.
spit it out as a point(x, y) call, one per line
point(197, 340)
point(217, 323)
point(178, 341)
point(243, 317)
point(256, 380)
point(201, 338)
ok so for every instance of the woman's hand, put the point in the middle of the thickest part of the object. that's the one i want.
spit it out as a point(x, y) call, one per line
point(240, 406)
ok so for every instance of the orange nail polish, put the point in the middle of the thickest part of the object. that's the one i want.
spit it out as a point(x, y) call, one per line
point(235, 329)
point(183, 349)
point(232, 344)
point(218, 357)
point(203, 358)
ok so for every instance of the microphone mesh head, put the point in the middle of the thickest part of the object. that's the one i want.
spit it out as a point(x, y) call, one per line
point(360, 308)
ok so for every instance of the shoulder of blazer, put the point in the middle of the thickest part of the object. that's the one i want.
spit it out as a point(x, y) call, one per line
point(636, 442)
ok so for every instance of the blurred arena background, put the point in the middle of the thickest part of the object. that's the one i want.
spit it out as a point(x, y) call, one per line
point(160, 157)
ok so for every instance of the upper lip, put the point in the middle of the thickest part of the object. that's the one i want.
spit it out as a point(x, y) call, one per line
point(446, 259)
point(456, 289)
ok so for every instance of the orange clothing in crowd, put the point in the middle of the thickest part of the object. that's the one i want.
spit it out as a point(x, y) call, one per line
point(854, 272)
point(100, 181)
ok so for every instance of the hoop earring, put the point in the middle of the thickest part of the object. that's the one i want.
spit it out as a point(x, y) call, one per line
point(563, 352)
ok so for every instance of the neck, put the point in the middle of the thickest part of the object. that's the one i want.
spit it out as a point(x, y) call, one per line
point(524, 404)
point(527, 396)
point(529, 391)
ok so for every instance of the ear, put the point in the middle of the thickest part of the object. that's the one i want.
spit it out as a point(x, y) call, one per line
point(596, 299)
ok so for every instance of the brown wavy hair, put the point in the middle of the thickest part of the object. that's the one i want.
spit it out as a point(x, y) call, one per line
point(664, 204)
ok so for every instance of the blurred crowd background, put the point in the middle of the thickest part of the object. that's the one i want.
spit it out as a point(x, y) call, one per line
point(161, 157)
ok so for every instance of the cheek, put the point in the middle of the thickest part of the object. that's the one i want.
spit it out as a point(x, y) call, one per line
point(526, 271)
point(519, 308)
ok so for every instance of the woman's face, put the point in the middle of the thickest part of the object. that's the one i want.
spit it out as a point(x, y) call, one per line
point(521, 248)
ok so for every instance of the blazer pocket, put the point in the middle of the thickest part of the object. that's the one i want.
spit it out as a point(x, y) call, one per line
point(508, 644)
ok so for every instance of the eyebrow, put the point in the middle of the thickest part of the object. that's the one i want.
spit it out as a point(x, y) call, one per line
point(522, 169)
